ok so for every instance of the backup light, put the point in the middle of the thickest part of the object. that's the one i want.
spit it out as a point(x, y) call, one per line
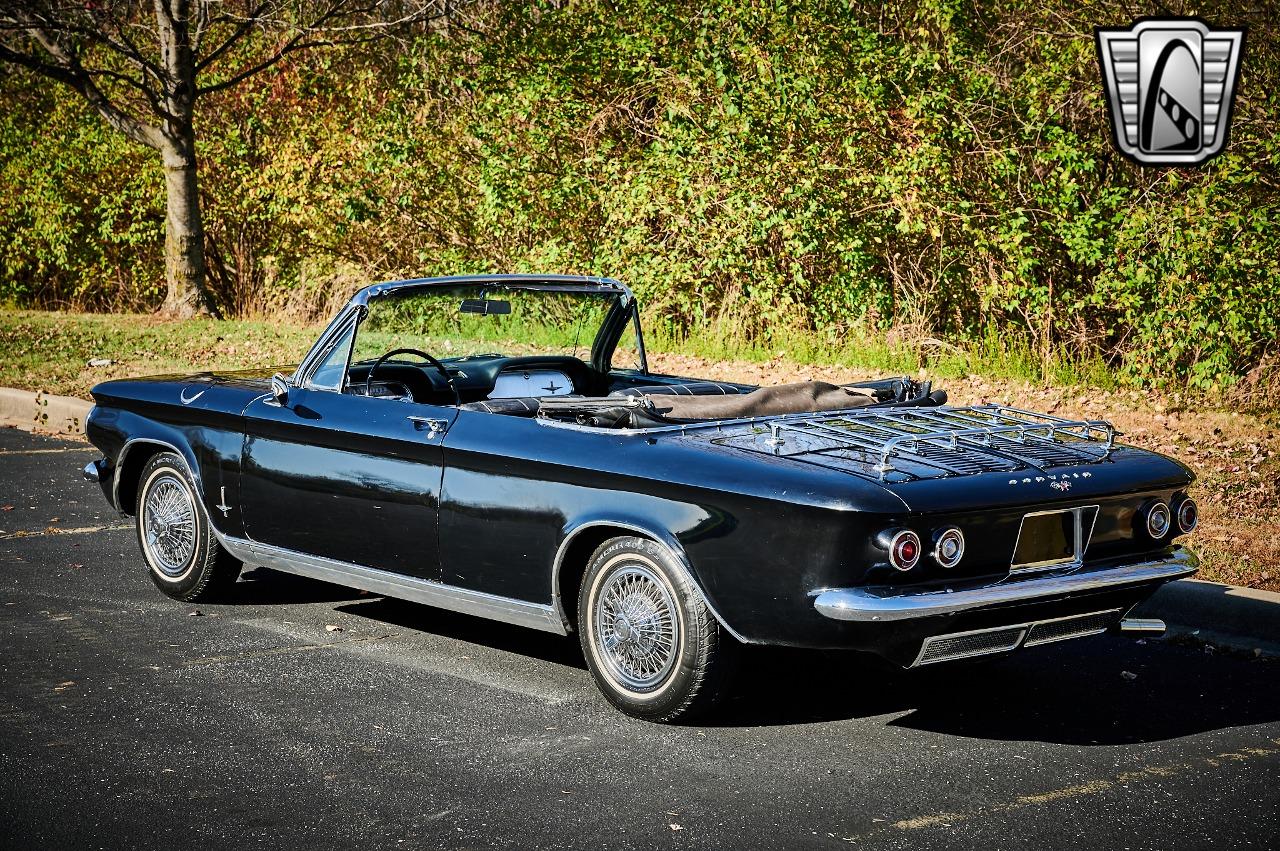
point(948, 547)
point(1188, 515)
point(1158, 520)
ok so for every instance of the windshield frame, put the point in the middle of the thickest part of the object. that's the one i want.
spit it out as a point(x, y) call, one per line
point(606, 338)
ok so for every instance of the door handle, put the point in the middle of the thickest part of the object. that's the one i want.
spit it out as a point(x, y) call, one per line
point(432, 425)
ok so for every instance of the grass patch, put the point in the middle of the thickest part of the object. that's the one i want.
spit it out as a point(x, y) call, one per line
point(993, 356)
point(52, 351)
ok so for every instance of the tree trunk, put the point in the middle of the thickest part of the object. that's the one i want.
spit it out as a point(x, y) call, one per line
point(184, 231)
point(183, 236)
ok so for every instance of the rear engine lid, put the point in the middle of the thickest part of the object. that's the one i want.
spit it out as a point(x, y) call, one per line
point(987, 455)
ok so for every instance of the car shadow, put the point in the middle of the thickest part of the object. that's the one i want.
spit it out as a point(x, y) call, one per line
point(261, 586)
point(505, 637)
point(1104, 690)
point(1099, 691)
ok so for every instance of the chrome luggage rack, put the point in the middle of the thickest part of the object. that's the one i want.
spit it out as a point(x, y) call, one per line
point(939, 437)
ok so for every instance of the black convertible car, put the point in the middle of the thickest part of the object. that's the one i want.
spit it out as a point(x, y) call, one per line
point(498, 446)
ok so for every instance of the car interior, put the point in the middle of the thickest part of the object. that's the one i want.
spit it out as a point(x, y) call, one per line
point(568, 389)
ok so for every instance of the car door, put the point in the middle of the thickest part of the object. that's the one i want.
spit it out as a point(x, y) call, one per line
point(346, 477)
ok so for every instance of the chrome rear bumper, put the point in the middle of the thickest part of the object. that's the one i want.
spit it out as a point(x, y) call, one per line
point(870, 605)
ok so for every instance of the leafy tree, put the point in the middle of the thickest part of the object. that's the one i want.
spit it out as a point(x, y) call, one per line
point(144, 65)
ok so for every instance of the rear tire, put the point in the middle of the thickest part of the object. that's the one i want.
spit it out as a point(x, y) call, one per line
point(651, 642)
point(183, 558)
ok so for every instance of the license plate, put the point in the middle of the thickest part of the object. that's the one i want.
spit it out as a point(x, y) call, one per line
point(1054, 539)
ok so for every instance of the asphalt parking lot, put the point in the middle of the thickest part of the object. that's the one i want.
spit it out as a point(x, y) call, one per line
point(300, 713)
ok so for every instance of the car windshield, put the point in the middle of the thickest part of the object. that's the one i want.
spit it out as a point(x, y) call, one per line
point(457, 323)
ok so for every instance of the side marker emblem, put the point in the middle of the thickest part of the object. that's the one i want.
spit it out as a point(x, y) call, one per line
point(223, 507)
point(187, 400)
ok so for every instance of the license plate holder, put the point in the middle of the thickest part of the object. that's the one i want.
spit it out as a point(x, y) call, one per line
point(1053, 540)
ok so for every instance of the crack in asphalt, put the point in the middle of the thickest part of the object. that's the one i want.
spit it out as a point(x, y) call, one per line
point(55, 530)
point(64, 450)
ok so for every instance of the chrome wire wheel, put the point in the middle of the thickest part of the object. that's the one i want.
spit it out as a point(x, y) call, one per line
point(169, 525)
point(636, 632)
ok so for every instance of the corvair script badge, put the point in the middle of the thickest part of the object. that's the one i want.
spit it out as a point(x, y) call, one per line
point(1059, 483)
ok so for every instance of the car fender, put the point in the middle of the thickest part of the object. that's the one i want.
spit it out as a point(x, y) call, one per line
point(181, 450)
point(643, 528)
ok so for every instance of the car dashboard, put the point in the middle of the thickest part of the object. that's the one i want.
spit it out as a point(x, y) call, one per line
point(476, 378)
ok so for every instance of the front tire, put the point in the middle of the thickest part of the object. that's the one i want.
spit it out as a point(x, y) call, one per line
point(651, 642)
point(183, 559)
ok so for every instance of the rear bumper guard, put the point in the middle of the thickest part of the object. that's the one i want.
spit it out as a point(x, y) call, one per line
point(875, 605)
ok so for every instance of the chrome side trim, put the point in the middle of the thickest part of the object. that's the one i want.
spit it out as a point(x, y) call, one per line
point(868, 605)
point(667, 541)
point(430, 593)
point(91, 472)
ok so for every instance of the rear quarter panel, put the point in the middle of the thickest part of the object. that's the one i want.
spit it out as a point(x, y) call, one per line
point(756, 534)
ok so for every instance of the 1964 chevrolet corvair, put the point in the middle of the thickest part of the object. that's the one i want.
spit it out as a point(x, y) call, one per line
point(497, 446)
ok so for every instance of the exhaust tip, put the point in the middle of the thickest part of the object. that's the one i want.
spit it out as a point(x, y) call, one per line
point(1138, 627)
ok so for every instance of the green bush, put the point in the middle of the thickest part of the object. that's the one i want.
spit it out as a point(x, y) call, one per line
point(765, 174)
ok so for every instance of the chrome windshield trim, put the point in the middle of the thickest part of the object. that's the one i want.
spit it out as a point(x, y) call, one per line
point(353, 309)
point(867, 605)
point(328, 338)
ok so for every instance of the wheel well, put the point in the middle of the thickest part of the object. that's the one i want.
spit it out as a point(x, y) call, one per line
point(574, 564)
point(134, 460)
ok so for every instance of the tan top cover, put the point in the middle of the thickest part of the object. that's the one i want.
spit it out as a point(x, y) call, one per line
point(802, 397)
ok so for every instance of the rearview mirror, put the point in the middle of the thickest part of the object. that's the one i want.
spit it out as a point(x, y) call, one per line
point(280, 389)
point(485, 306)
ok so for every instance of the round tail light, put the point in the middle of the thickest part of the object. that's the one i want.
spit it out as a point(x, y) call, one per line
point(904, 550)
point(1188, 515)
point(1158, 520)
point(948, 547)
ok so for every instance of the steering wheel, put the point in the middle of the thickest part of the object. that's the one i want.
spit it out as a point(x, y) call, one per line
point(448, 379)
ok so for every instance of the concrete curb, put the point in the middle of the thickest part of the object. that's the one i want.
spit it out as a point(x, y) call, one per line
point(43, 412)
point(1224, 615)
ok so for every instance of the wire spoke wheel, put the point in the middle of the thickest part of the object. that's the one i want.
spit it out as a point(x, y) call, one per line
point(635, 627)
point(169, 525)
